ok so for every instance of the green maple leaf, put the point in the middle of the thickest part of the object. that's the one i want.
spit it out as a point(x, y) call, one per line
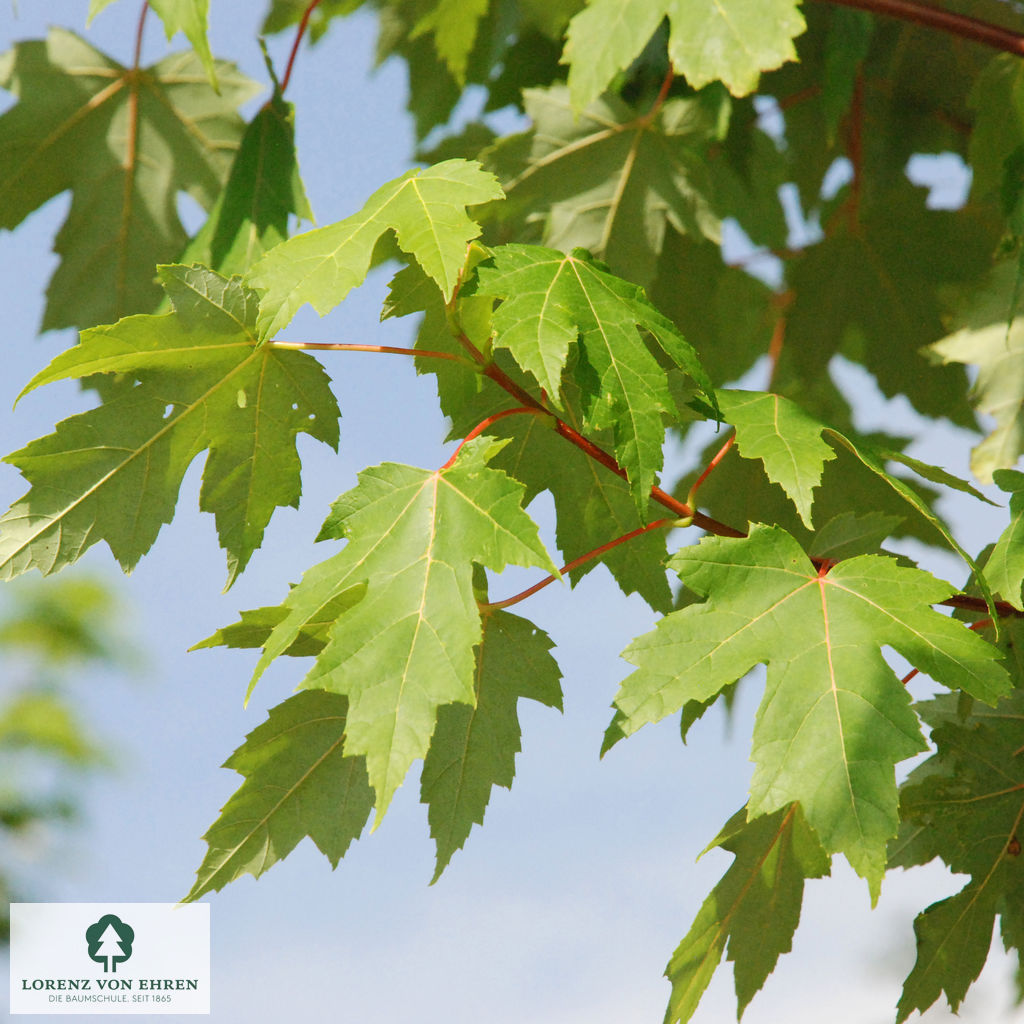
point(298, 783)
point(790, 444)
point(473, 748)
point(726, 314)
point(112, 136)
point(997, 99)
point(192, 18)
point(262, 193)
point(426, 209)
point(731, 41)
point(755, 908)
point(850, 534)
point(611, 180)
point(784, 437)
point(966, 806)
point(255, 626)
point(405, 647)
point(283, 14)
point(1004, 569)
point(203, 381)
point(454, 26)
point(834, 719)
point(883, 289)
point(593, 505)
point(985, 340)
point(549, 301)
point(188, 16)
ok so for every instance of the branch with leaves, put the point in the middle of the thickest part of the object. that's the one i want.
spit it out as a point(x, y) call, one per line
point(577, 306)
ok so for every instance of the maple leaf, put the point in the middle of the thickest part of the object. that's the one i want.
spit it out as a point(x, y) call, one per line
point(188, 16)
point(454, 26)
point(997, 99)
point(255, 626)
point(755, 908)
point(593, 505)
point(110, 134)
point(425, 209)
point(284, 13)
point(612, 179)
point(883, 291)
point(731, 41)
point(834, 720)
point(298, 783)
point(1004, 569)
point(727, 315)
point(966, 806)
point(405, 647)
point(549, 301)
point(262, 193)
point(789, 442)
point(192, 18)
point(984, 339)
point(473, 748)
point(203, 381)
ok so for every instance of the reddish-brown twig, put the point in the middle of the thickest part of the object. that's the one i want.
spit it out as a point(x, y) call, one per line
point(295, 45)
point(484, 424)
point(658, 524)
point(691, 498)
point(945, 21)
point(337, 346)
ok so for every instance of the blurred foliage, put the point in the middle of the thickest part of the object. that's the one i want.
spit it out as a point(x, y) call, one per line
point(54, 636)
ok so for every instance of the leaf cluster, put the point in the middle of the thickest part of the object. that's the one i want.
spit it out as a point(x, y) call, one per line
point(581, 304)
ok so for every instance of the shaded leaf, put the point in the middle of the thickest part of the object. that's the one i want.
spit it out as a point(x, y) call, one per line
point(474, 748)
point(298, 783)
point(966, 806)
point(262, 193)
point(610, 180)
point(850, 534)
point(112, 136)
point(879, 291)
point(755, 908)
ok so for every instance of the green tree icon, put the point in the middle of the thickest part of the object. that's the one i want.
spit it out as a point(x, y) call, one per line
point(110, 941)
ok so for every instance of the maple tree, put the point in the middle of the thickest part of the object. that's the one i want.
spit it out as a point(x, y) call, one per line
point(576, 305)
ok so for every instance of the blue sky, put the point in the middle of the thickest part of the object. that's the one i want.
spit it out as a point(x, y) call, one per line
point(565, 906)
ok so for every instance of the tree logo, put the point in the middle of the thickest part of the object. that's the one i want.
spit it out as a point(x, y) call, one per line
point(110, 942)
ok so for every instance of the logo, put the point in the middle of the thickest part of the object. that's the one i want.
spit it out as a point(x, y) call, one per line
point(110, 958)
point(110, 942)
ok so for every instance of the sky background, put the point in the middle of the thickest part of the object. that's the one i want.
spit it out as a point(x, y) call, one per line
point(566, 905)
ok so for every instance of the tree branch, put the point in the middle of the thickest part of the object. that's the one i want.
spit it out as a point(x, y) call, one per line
point(337, 346)
point(658, 524)
point(674, 505)
point(295, 46)
point(944, 21)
